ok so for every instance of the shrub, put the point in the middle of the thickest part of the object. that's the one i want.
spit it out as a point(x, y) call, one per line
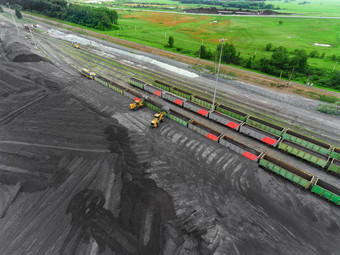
point(332, 109)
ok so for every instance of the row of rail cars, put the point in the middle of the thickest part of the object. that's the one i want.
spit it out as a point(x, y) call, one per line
point(306, 148)
point(299, 145)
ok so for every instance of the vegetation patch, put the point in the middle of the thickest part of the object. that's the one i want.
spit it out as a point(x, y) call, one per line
point(332, 109)
point(98, 18)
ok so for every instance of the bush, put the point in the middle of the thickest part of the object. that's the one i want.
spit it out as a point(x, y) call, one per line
point(171, 41)
point(18, 14)
point(269, 46)
point(332, 109)
point(314, 54)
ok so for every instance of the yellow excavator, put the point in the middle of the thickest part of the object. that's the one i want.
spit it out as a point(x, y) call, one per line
point(137, 104)
point(159, 117)
point(76, 46)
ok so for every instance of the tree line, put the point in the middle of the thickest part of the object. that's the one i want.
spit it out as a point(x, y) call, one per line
point(98, 18)
point(243, 5)
point(282, 63)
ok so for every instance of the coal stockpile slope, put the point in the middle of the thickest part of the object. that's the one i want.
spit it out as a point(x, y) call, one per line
point(18, 50)
point(50, 127)
point(236, 207)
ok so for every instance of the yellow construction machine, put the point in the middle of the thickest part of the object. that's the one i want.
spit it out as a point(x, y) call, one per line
point(137, 104)
point(159, 117)
point(76, 46)
point(88, 74)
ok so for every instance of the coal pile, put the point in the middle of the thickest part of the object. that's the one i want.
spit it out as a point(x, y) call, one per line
point(19, 50)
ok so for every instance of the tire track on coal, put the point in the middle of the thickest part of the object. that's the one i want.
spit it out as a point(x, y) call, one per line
point(15, 113)
point(55, 147)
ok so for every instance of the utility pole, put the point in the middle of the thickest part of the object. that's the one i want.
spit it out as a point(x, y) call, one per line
point(13, 19)
point(199, 53)
point(218, 71)
point(36, 46)
point(15, 24)
point(335, 65)
point(307, 82)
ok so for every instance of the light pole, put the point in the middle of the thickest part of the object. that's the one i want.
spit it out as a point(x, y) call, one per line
point(15, 24)
point(218, 71)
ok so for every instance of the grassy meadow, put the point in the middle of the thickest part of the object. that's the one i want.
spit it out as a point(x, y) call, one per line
point(323, 8)
point(249, 34)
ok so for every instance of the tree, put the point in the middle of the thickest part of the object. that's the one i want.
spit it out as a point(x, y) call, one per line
point(299, 61)
point(335, 82)
point(229, 53)
point(1, 10)
point(249, 63)
point(280, 57)
point(280, 22)
point(205, 53)
point(333, 57)
point(18, 13)
point(171, 42)
point(314, 54)
point(269, 46)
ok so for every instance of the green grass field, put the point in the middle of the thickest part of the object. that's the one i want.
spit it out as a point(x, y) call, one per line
point(323, 8)
point(248, 34)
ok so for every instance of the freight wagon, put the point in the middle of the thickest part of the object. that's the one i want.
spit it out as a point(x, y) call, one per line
point(240, 148)
point(153, 105)
point(137, 83)
point(334, 166)
point(276, 130)
point(307, 142)
point(327, 191)
point(196, 108)
point(162, 85)
point(103, 80)
point(287, 171)
point(134, 95)
point(335, 153)
point(173, 98)
point(304, 153)
point(203, 101)
point(111, 84)
point(225, 120)
point(115, 86)
point(232, 112)
point(260, 134)
point(181, 119)
point(153, 90)
point(204, 130)
point(180, 92)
